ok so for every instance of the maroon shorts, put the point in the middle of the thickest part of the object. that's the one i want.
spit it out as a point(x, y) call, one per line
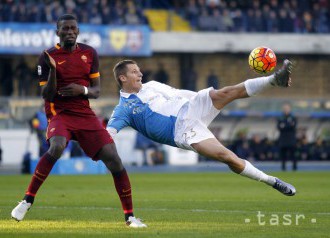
point(87, 130)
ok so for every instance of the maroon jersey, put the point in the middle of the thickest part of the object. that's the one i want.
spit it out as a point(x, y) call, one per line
point(78, 66)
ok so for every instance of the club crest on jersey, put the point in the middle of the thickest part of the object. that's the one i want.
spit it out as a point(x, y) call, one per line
point(137, 110)
point(84, 58)
point(131, 103)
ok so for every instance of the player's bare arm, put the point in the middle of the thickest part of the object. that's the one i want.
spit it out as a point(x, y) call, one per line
point(73, 90)
point(49, 90)
point(94, 89)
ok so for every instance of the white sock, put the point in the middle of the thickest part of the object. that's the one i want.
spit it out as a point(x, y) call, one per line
point(256, 85)
point(253, 173)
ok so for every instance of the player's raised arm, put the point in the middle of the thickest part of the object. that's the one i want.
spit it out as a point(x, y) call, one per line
point(49, 89)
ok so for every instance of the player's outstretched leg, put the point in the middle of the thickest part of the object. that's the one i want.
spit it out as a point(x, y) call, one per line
point(212, 148)
point(285, 188)
point(41, 172)
point(280, 78)
point(252, 172)
point(112, 161)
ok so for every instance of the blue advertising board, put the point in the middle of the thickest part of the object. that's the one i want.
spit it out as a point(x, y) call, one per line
point(108, 40)
point(82, 165)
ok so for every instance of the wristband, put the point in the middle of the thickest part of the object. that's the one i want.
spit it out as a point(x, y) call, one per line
point(85, 90)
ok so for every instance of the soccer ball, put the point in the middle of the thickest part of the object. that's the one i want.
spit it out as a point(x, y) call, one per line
point(262, 60)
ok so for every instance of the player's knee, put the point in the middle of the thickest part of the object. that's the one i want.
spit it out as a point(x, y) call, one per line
point(228, 93)
point(114, 164)
point(222, 156)
point(110, 158)
point(117, 163)
point(56, 150)
point(218, 94)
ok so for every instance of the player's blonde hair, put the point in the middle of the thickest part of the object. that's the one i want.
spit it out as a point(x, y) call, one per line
point(121, 69)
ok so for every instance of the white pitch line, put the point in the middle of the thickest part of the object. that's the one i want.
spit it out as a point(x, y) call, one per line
point(174, 209)
point(223, 201)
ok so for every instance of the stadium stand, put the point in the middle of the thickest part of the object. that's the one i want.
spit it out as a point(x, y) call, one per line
point(203, 15)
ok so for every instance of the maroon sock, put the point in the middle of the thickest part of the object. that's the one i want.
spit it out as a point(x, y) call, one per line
point(123, 187)
point(41, 172)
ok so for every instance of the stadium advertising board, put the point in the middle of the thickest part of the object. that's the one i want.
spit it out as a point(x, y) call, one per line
point(18, 38)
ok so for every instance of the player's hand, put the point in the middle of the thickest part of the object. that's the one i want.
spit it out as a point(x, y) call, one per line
point(71, 90)
point(49, 60)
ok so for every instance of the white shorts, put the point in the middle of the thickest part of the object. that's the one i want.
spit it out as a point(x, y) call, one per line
point(193, 120)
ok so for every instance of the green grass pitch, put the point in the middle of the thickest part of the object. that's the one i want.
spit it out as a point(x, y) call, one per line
point(172, 205)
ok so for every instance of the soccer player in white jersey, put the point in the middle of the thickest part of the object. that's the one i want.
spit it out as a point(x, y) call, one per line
point(180, 117)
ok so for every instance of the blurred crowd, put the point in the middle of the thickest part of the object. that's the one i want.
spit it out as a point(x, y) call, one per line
point(87, 11)
point(303, 16)
point(263, 149)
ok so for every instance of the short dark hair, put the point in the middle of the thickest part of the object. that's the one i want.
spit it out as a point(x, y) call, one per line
point(121, 69)
point(65, 17)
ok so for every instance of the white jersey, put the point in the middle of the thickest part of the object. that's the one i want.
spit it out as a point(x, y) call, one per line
point(161, 98)
point(152, 111)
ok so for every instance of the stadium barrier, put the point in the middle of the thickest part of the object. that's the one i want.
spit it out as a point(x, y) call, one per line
point(18, 38)
point(79, 165)
point(25, 38)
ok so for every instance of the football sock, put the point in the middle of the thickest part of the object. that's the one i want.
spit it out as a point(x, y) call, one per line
point(29, 199)
point(253, 173)
point(256, 85)
point(41, 172)
point(123, 187)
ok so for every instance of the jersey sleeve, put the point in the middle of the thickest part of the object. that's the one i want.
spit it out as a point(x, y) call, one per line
point(186, 93)
point(118, 120)
point(160, 86)
point(169, 91)
point(164, 89)
point(94, 73)
point(42, 70)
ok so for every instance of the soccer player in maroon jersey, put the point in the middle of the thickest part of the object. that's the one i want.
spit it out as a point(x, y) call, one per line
point(68, 74)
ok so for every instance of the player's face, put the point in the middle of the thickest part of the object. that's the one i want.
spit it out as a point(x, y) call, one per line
point(68, 32)
point(132, 81)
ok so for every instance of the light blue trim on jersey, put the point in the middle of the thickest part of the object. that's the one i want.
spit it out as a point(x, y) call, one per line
point(131, 111)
